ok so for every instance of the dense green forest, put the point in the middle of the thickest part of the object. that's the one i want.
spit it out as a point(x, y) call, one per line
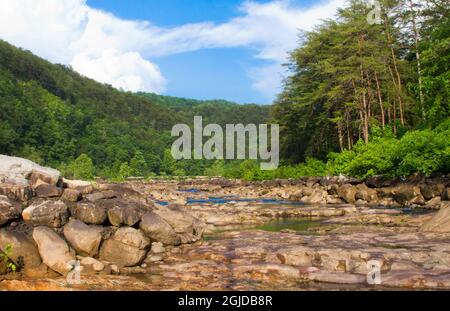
point(377, 94)
point(363, 99)
point(54, 116)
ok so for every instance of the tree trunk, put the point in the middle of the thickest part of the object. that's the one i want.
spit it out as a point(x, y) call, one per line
point(419, 70)
point(394, 62)
point(380, 100)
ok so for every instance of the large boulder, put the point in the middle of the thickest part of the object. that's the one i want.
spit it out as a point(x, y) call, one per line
point(8, 210)
point(84, 239)
point(25, 172)
point(347, 192)
point(89, 213)
point(126, 248)
point(24, 252)
point(159, 230)
point(180, 220)
point(54, 251)
point(121, 212)
point(54, 214)
point(440, 222)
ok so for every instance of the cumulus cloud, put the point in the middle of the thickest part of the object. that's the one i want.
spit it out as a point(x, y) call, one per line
point(117, 51)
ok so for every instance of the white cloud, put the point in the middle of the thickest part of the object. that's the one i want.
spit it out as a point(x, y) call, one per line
point(116, 51)
point(127, 71)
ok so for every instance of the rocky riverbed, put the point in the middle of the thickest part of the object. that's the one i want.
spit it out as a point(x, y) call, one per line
point(310, 234)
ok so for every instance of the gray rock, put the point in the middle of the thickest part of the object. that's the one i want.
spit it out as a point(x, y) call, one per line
point(89, 213)
point(157, 229)
point(121, 213)
point(47, 213)
point(54, 251)
point(126, 248)
point(8, 210)
point(20, 171)
point(96, 196)
point(84, 239)
point(24, 252)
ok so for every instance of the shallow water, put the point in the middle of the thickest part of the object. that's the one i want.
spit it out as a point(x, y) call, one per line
point(300, 225)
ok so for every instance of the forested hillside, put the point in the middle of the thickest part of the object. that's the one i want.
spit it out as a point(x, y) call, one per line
point(213, 111)
point(363, 99)
point(52, 115)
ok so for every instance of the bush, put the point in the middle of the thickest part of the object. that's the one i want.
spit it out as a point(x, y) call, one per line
point(81, 168)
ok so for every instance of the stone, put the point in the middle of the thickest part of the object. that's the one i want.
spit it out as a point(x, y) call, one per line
point(407, 194)
point(92, 264)
point(76, 184)
point(157, 248)
point(9, 210)
point(337, 277)
point(48, 191)
point(16, 192)
point(126, 248)
point(48, 213)
point(446, 194)
point(24, 252)
point(54, 251)
point(431, 190)
point(180, 221)
point(96, 196)
point(434, 203)
point(71, 195)
point(89, 213)
point(24, 172)
point(317, 196)
point(439, 223)
point(154, 258)
point(377, 181)
point(121, 213)
point(157, 229)
point(365, 193)
point(84, 239)
point(348, 193)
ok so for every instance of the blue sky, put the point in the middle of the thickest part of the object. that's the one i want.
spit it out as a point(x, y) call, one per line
point(203, 49)
point(219, 73)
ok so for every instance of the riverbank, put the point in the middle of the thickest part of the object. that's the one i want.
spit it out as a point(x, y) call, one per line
point(309, 234)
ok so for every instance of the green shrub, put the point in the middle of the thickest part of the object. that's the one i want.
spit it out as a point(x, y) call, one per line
point(81, 168)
